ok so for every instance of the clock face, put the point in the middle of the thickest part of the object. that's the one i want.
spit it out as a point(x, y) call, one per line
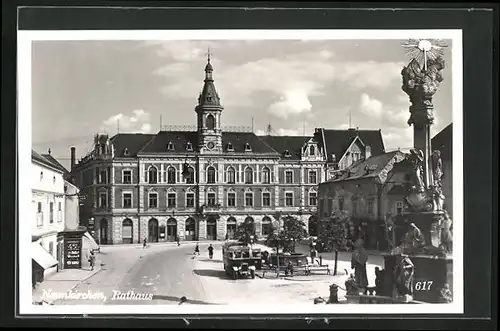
point(210, 145)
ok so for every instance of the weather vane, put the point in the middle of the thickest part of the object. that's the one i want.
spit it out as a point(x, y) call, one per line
point(423, 49)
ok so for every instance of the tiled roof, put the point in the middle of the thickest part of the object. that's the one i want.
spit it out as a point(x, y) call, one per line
point(239, 139)
point(37, 157)
point(337, 141)
point(443, 141)
point(56, 163)
point(133, 142)
point(371, 167)
point(179, 140)
point(292, 144)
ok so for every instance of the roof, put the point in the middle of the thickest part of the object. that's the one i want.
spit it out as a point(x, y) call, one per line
point(133, 142)
point(337, 141)
point(238, 140)
point(369, 168)
point(179, 140)
point(443, 142)
point(39, 158)
point(292, 144)
point(56, 163)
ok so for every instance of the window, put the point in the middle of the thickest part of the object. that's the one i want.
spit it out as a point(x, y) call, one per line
point(190, 176)
point(170, 146)
point(341, 204)
point(103, 199)
point(127, 177)
point(356, 156)
point(231, 199)
point(399, 207)
point(39, 215)
point(103, 176)
point(312, 150)
point(230, 147)
point(127, 200)
point(211, 175)
point(312, 177)
point(189, 146)
point(248, 175)
point(153, 200)
point(313, 198)
point(125, 152)
point(210, 121)
point(354, 206)
point(54, 179)
point(51, 212)
point(267, 227)
point(41, 175)
point(266, 176)
point(231, 175)
point(51, 248)
point(211, 199)
point(152, 175)
point(247, 147)
point(248, 199)
point(59, 206)
point(190, 200)
point(266, 199)
point(288, 177)
point(370, 206)
point(171, 175)
point(287, 153)
point(289, 199)
point(171, 200)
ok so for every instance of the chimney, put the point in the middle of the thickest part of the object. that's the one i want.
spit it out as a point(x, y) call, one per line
point(73, 151)
point(368, 151)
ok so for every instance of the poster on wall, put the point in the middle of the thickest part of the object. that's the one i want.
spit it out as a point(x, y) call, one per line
point(73, 250)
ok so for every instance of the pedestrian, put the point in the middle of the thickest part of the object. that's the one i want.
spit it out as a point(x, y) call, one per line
point(178, 241)
point(144, 243)
point(197, 249)
point(313, 255)
point(92, 260)
point(210, 251)
point(289, 269)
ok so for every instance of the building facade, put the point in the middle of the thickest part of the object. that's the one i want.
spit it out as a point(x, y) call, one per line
point(371, 190)
point(198, 184)
point(48, 210)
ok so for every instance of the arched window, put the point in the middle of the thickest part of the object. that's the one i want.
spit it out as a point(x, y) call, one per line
point(248, 176)
point(152, 175)
point(211, 175)
point(231, 176)
point(171, 175)
point(210, 122)
point(312, 150)
point(190, 176)
point(266, 175)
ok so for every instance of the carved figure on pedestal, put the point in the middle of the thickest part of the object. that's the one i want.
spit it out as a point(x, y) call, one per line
point(351, 287)
point(417, 159)
point(446, 233)
point(358, 263)
point(445, 295)
point(403, 275)
point(414, 239)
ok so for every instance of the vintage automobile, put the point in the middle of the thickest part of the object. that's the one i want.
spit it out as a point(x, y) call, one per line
point(240, 261)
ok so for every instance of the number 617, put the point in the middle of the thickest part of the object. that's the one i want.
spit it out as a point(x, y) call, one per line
point(423, 285)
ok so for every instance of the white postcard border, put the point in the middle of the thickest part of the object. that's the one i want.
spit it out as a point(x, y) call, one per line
point(23, 224)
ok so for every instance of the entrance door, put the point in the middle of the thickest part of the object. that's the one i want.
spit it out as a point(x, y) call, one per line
point(153, 230)
point(231, 228)
point(211, 229)
point(171, 229)
point(127, 231)
point(103, 232)
point(190, 229)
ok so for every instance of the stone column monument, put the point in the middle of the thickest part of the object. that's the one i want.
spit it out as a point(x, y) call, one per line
point(421, 267)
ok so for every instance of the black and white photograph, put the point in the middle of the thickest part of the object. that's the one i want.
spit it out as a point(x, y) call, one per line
point(230, 171)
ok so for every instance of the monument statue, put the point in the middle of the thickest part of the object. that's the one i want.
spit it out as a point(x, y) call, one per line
point(403, 274)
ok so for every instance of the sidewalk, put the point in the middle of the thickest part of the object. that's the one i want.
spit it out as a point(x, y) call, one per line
point(61, 282)
point(163, 243)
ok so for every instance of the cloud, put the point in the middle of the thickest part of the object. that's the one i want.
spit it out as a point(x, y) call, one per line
point(137, 122)
point(293, 102)
point(370, 106)
point(281, 132)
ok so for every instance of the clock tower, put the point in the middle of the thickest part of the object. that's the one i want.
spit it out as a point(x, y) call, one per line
point(209, 110)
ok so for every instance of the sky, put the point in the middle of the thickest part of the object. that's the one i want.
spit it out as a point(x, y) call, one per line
point(80, 88)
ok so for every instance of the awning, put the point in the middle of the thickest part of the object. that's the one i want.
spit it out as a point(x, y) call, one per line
point(41, 256)
point(89, 242)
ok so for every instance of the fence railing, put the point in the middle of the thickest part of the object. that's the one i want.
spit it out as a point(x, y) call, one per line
point(226, 128)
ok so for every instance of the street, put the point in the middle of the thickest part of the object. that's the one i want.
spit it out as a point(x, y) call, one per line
point(163, 273)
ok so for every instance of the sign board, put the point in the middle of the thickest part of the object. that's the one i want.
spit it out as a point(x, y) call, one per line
point(73, 253)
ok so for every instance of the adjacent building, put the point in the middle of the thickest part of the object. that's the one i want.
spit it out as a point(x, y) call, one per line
point(200, 184)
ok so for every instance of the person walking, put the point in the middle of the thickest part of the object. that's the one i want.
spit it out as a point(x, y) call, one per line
point(144, 243)
point(92, 260)
point(178, 241)
point(196, 250)
point(210, 251)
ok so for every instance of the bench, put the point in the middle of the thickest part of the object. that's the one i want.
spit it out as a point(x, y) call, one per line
point(284, 270)
point(313, 268)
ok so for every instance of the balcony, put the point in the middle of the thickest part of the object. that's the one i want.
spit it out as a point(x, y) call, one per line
point(210, 208)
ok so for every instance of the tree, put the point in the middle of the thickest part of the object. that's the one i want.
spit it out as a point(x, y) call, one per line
point(245, 231)
point(293, 231)
point(334, 234)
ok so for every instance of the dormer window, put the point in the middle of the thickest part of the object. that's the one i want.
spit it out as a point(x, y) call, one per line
point(170, 146)
point(247, 147)
point(287, 153)
point(126, 152)
point(189, 146)
point(230, 147)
